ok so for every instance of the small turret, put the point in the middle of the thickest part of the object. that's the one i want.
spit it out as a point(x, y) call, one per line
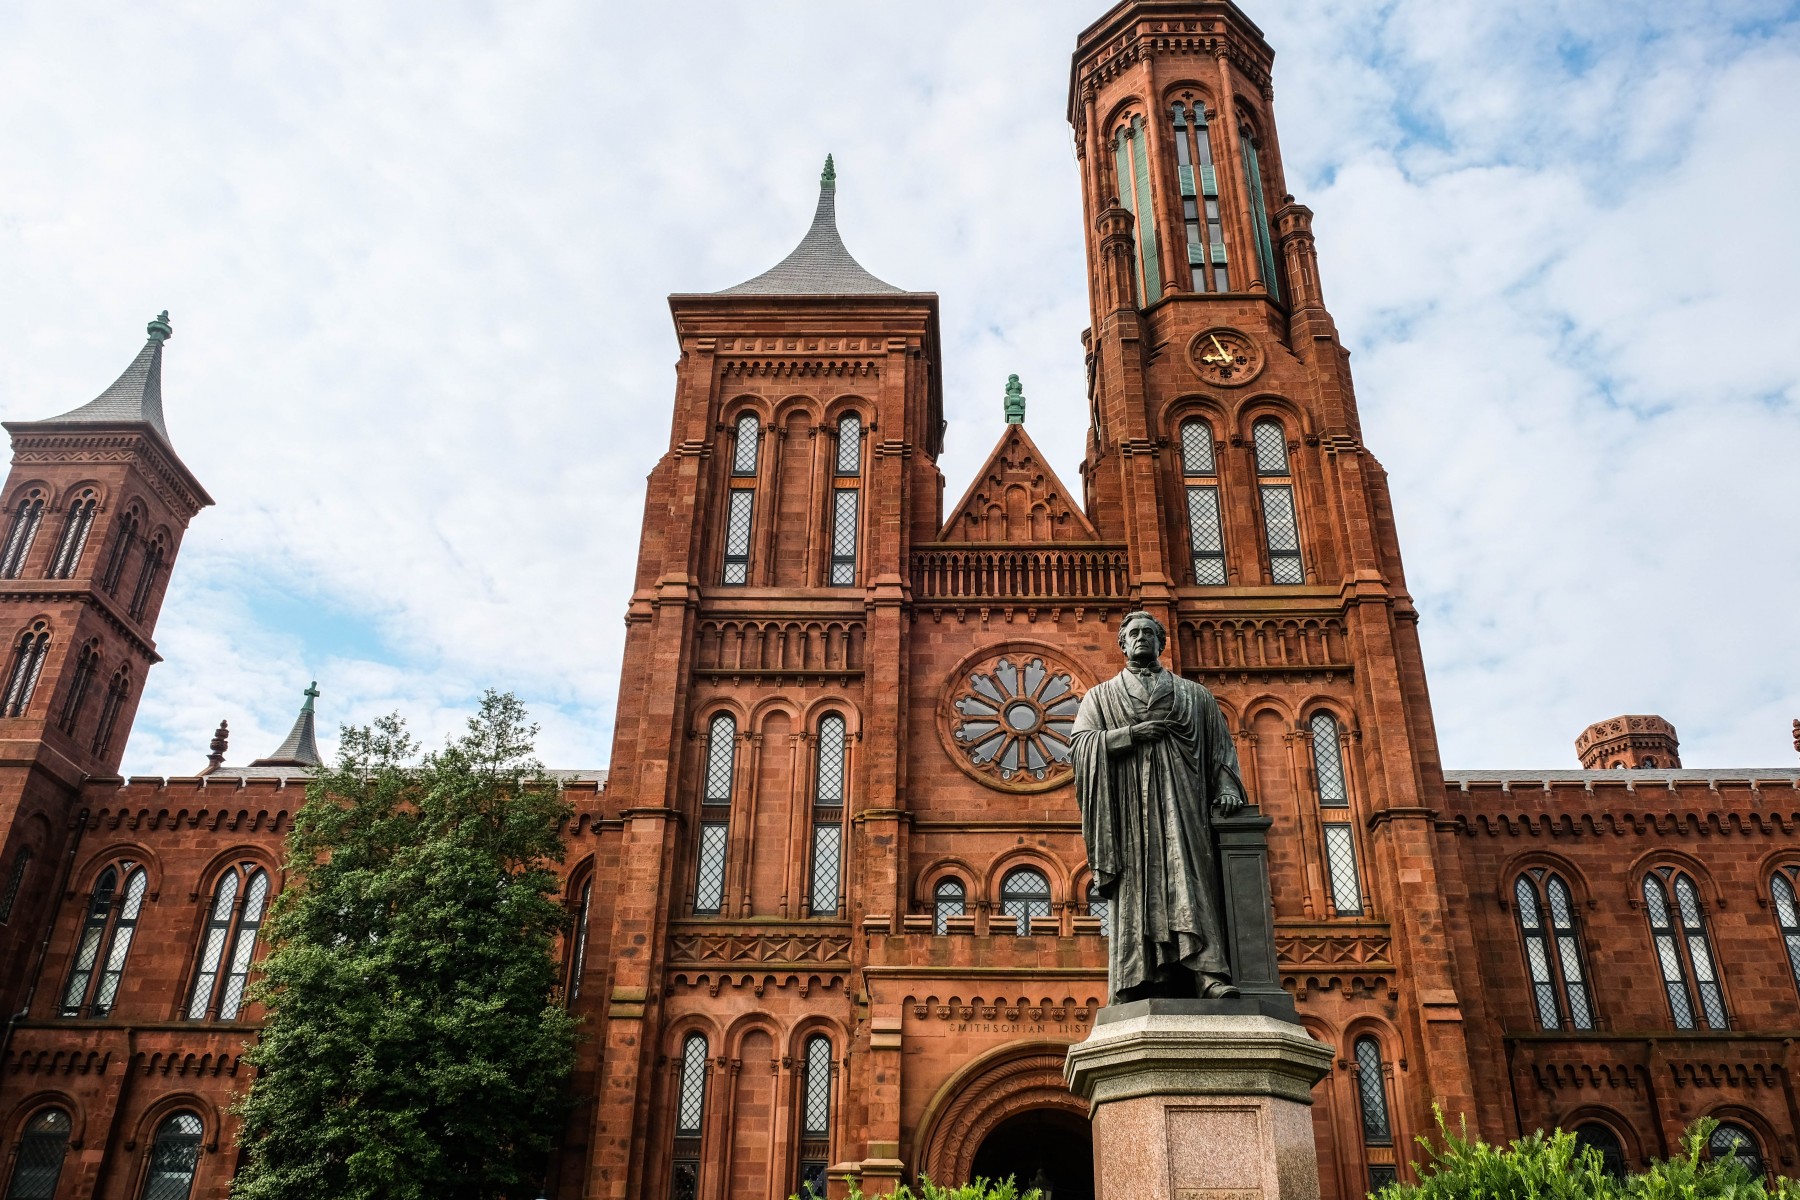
point(1640, 742)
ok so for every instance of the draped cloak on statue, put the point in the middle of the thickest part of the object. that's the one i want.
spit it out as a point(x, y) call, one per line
point(1146, 816)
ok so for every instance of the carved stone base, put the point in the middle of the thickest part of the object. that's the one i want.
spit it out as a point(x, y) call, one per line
point(1193, 1104)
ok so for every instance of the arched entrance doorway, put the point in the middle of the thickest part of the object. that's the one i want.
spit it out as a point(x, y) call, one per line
point(1047, 1148)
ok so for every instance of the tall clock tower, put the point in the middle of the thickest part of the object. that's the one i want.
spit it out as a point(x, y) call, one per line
point(1226, 452)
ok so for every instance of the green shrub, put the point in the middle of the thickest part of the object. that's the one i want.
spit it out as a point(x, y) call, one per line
point(1555, 1166)
point(981, 1189)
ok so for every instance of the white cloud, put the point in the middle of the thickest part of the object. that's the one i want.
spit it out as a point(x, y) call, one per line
point(423, 358)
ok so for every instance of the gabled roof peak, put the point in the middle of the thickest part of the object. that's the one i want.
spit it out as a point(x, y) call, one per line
point(135, 396)
point(819, 265)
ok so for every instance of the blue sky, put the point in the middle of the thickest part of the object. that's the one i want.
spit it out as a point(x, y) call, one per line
point(422, 358)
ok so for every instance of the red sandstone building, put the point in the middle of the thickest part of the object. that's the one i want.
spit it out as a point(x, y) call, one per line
point(830, 912)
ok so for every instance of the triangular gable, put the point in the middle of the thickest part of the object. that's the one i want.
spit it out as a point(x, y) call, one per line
point(1016, 497)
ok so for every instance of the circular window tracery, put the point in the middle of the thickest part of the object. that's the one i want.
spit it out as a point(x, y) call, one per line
point(1013, 716)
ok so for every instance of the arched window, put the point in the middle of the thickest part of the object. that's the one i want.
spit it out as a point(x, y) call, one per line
point(86, 663)
point(105, 940)
point(947, 901)
point(849, 444)
point(173, 1157)
point(116, 692)
point(828, 817)
point(1787, 914)
point(1372, 1098)
point(1099, 906)
point(1281, 524)
point(1259, 212)
point(26, 519)
point(1334, 800)
point(229, 923)
point(1131, 159)
point(740, 502)
point(1553, 956)
point(1603, 1141)
point(121, 549)
point(1731, 1141)
point(578, 944)
point(815, 1117)
point(153, 560)
point(1200, 199)
point(28, 663)
point(1024, 894)
point(38, 1164)
point(690, 1113)
point(1206, 536)
point(15, 881)
point(75, 535)
point(1683, 950)
point(715, 814)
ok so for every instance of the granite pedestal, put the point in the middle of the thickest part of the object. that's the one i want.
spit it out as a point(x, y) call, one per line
point(1200, 1100)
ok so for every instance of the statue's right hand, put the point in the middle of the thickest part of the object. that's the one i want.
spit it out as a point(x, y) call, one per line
point(1149, 731)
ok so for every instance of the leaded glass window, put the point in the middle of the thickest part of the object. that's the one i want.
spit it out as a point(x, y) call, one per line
point(1206, 538)
point(26, 519)
point(709, 877)
point(738, 514)
point(243, 947)
point(86, 664)
point(28, 664)
point(1025, 894)
point(116, 692)
point(831, 761)
point(87, 949)
point(1270, 440)
point(1328, 762)
point(849, 444)
point(1683, 949)
point(692, 1105)
point(1553, 958)
point(1259, 213)
point(684, 1180)
point(1371, 1091)
point(153, 558)
point(827, 855)
point(578, 952)
point(38, 1164)
point(843, 536)
point(118, 945)
point(812, 1179)
point(1787, 915)
point(1197, 448)
point(1601, 1139)
point(1199, 182)
point(121, 550)
point(173, 1157)
point(1381, 1175)
point(743, 446)
point(105, 941)
point(947, 901)
point(75, 535)
point(212, 945)
point(1340, 862)
point(1131, 158)
point(721, 758)
point(1100, 906)
point(817, 1110)
point(1732, 1141)
point(1282, 529)
point(15, 881)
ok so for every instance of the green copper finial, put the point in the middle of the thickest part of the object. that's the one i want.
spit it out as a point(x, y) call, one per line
point(1015, 401)
point(829, 177)
point(311, 694)
point(160, 330)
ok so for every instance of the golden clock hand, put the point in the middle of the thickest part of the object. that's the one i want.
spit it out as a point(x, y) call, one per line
point(1224, 356)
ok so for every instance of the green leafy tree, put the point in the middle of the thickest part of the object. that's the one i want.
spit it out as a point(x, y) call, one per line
point(981, 1189)
point(413, 1048)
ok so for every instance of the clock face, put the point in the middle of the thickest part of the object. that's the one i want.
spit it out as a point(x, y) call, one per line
point(1225, 357)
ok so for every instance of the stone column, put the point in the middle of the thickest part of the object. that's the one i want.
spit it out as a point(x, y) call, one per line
point(1199, 1100)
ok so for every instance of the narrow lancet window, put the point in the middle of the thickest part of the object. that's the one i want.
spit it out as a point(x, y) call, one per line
point(690, 1113)
point(715, 814)
point(116, 693)
point(26, 519)
point(1683, 950)
point(1340, 861)
point(1372, 1097)
point(86, 663)
point(1200, 199)
point(743, 446)
point(1281, 525)
point(1259, 214)
point(153, 560)
point(828, 817)
point(947, 901)
point(1199, 470)
point(1132, 161)
point(815, 1118)
point(849, 445)
point(1787, 915)
point(232, 925)
point(844, 503)
point(75, 535)
point(28, 663)
point(1553, 958)
point(121, 550)
point(578, 947)
point(1328, 762)
point(740, 502)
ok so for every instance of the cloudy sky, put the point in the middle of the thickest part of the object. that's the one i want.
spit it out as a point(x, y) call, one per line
point(416, 259)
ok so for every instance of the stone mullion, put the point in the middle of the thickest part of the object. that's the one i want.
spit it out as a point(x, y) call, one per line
point(796, 838)
point(1244, 521)
point(818, 515)
point(746, 794)
point(778, 1081)
point(762, 514)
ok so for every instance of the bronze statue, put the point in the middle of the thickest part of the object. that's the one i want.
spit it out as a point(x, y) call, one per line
point(1154, 763)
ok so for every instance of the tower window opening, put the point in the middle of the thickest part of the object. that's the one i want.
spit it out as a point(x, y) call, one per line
point(28, 664)
point(828, 817)
point(1281, 524)
point(1206, 536)
point(1259, 213)
point(1132, 161)
point(153, 559)
point(75, 535)
point(121, 551)
point(843, 536)
point(86, 664)
point(1200, 199)
point(116, 693)
point(26, 519)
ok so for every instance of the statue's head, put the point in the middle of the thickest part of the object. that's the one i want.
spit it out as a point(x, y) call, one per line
point(1142, 637)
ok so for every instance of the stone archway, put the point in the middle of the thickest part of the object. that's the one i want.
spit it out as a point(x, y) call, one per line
point(1047, 1148)
point(997, 1094)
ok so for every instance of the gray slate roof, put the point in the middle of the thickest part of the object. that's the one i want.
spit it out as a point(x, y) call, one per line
point(819, 265)
point(136, 396)
point(301, 749)
point(1520, 779)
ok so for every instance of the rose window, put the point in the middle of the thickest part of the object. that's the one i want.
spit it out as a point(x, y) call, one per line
point(1015, 717)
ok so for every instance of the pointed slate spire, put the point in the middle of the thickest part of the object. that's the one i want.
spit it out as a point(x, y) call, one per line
point(1015, 401)
point(300, 749)
point(136, 396)
point(819, 265)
